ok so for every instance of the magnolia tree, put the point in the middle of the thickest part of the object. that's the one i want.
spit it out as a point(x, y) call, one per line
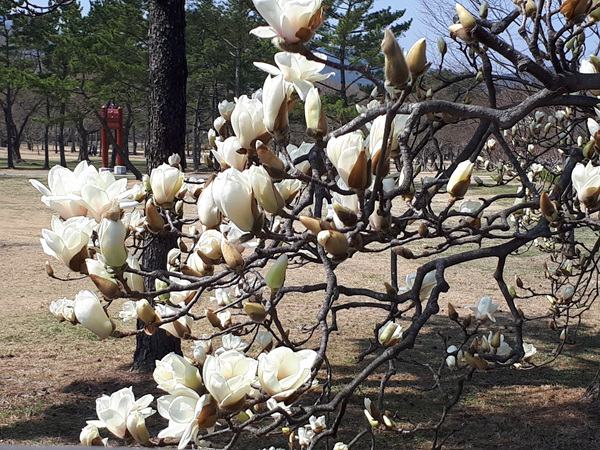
point(277, 206)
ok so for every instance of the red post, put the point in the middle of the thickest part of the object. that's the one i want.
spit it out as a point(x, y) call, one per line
point(104, 140)
point(114, 119)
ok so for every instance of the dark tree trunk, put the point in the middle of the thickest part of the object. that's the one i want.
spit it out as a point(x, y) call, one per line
point(61, 136)
point(167, 108)
point(592, 393)
point(168, 75)
point(85, 138)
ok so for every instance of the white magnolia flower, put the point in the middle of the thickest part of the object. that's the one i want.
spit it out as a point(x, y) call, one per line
point(247, 122)
point(588, 67)
point(317, 424)
point(134, 221)
point(188, 413)
point(226, 108)
point(90, 436)
point(68, 240)
point(63, 309)
point(292, 21)
point(114, 410)
point(297, 70)
point(340, 446)
point(503, 348)
point(63, 193)
point(470, 206)
point(235, 199)
point(208, 210)
point(232, 342)
point(174, 370)
point(129, 311)
point(223, 296)
point(305, 435)
point(201, 348)
point(178, 328)
point(460, 180)
point(90, 313)
point(228, 376)
point(529, 350)
point(274, 99)
point(390, 334)
point(111, 237)
point(100, 190)
point(282, 371)
point(484, 309)
point(586, 181)
point(227, 154)
point(429, 282)
point(134, 281)
point(165, 181)
point(297, 152)
point(264, 339)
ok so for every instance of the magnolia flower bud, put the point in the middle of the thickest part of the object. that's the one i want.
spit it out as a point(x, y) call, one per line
point(575, 11)
point(396, 69)
point(442, 46)
point(547, 207)
point(232, 257)
point(154, 220)
point(112, 242)
point(334, 242)
point(416, 59)
point(466, 18)
point(145, 311)
point(459, 182)
point(390, 334)
point(496, 340)
point(276, 274)
point(274, 100)
point(90, 313)
point(225, 109)
point(166, 182)
point(90, 436)
point(452, 314)
point(102, 279)
point(255, 311)
point(312, 224)
point(316, 120)
point(273, 165)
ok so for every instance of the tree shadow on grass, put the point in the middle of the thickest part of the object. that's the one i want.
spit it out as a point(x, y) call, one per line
point(62, 421)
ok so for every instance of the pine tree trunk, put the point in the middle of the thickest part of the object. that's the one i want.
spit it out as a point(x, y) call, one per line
point(168, 75)
point(167, 108)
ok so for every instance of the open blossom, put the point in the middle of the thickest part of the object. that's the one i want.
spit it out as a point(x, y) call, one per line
point(113, 411)
point(178, 328)
point(63, 193)
point(232, 342)
point(174, 370)
point(188, 413)
point(228, 155)
point(586, 181)
point(429, 282)
point(100, 190)
point(228, 376)
point(68, 240)
point(297, 70)
point(282, 371)
point(484, 309)
point(89, 436)
point(390, 334)
point(63, 309)
point(292, 21)
point(529, 350)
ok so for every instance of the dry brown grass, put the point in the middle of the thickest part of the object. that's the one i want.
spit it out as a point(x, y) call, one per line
point(51, 373)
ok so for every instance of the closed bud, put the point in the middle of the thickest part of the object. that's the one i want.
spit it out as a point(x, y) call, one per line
point(423, 230)
point(396, 68)
point(483, 10)
point(518, 281)
point(312, 224)
point(390, 290)
point(442, 46)
point(417, 59)
point(467, 321)
point(276, 274)
point(154, 220)
point(49, 270)
point(466, 18)
point(530, 8)
point(334, 242)
point(547, 207)
point(403, 252)
point(480, 363)
point(256, 312)
point(496, 340)
point(470, 360)
point(512, 291)
point(232, 257)
point(316, 120)
point(145, 311)
point(213, 319)
point(273, 165)
point(452, 314)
